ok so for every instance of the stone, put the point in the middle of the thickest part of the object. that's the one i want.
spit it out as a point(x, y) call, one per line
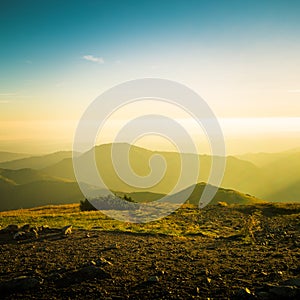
point(67, 230)
point(82, 274)
point(263, 295)
point(103, 262)
point(161, 272)
point(12, 228)
point(20, 284)
point(222, 203)
point(292, 282)
point(25, 228)
point(20, 235)
point(153, 279)
point(284, 292)
point(32, 234)
point(45, 229)
point(244, 293)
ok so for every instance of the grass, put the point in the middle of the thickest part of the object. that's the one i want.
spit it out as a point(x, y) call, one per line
point(184, 221)
point(188, 220)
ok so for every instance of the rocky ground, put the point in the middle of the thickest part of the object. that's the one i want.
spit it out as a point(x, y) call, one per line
point(255, 255)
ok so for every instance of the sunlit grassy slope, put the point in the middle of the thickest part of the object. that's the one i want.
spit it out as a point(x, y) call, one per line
point(188, 220)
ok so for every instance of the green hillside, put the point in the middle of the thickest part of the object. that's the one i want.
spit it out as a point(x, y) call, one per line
point(6, 184)
point(63, 169)
point(36, 162)
point(55, 191)
point(223, 195)
point(9, 156)
point(23, 176)
point(289, 193)
point(262, 175)
point(39, 193)
point(277, 180)
point(238, 173)
point(28, 188)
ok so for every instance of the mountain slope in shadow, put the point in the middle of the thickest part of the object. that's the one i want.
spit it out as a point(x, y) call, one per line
point(36, 162)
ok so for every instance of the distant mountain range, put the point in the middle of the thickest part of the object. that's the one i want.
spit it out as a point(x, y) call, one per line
point(28, 188)
point(39, 189)
point(50, 179)
point(8, 156)
point(33, 162)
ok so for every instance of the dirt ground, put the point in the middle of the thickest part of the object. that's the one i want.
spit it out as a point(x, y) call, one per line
point(259, 260)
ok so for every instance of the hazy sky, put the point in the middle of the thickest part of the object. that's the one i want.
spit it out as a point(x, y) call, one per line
point(242, 57)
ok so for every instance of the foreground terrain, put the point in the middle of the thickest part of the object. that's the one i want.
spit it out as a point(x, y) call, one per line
point(231, 252)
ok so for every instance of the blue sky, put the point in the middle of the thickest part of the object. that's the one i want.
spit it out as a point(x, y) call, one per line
point(241, 56)
point(52, 36)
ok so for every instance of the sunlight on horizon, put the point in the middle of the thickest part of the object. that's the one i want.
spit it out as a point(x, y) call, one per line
point(241, 135)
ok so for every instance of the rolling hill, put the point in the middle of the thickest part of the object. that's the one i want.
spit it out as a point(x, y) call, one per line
point(39, 193)
point(237, 173)
point(36, 162)
point(28, 188)
point(23, 176)
point(289, 193)
point(8, 156)
point(223, 195)
point(276, 180)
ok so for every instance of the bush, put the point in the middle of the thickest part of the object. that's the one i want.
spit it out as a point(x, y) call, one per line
point(86, 205)
point(109, 202)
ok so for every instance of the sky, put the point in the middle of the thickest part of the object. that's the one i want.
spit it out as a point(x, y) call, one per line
point(241, 57)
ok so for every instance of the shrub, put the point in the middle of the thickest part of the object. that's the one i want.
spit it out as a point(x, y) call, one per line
point(108, 202)
point(86, 205)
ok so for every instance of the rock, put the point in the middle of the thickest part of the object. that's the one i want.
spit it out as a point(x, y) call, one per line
point(20, 284)
point(92, 272)
point(20, 235)
point(103, 262)
point(83, 274)
point(244, 293)
point(295, 270)
point(263, 295)
point(25, 228)
point(111, 247)
point(283, 292)
point(114, 246)
point(34, 228)
point(161, 272)
point(153, 279)
point(12, 228)
point(67, 230)
point(32, 234)
point(292, 282)
point(44, 229)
